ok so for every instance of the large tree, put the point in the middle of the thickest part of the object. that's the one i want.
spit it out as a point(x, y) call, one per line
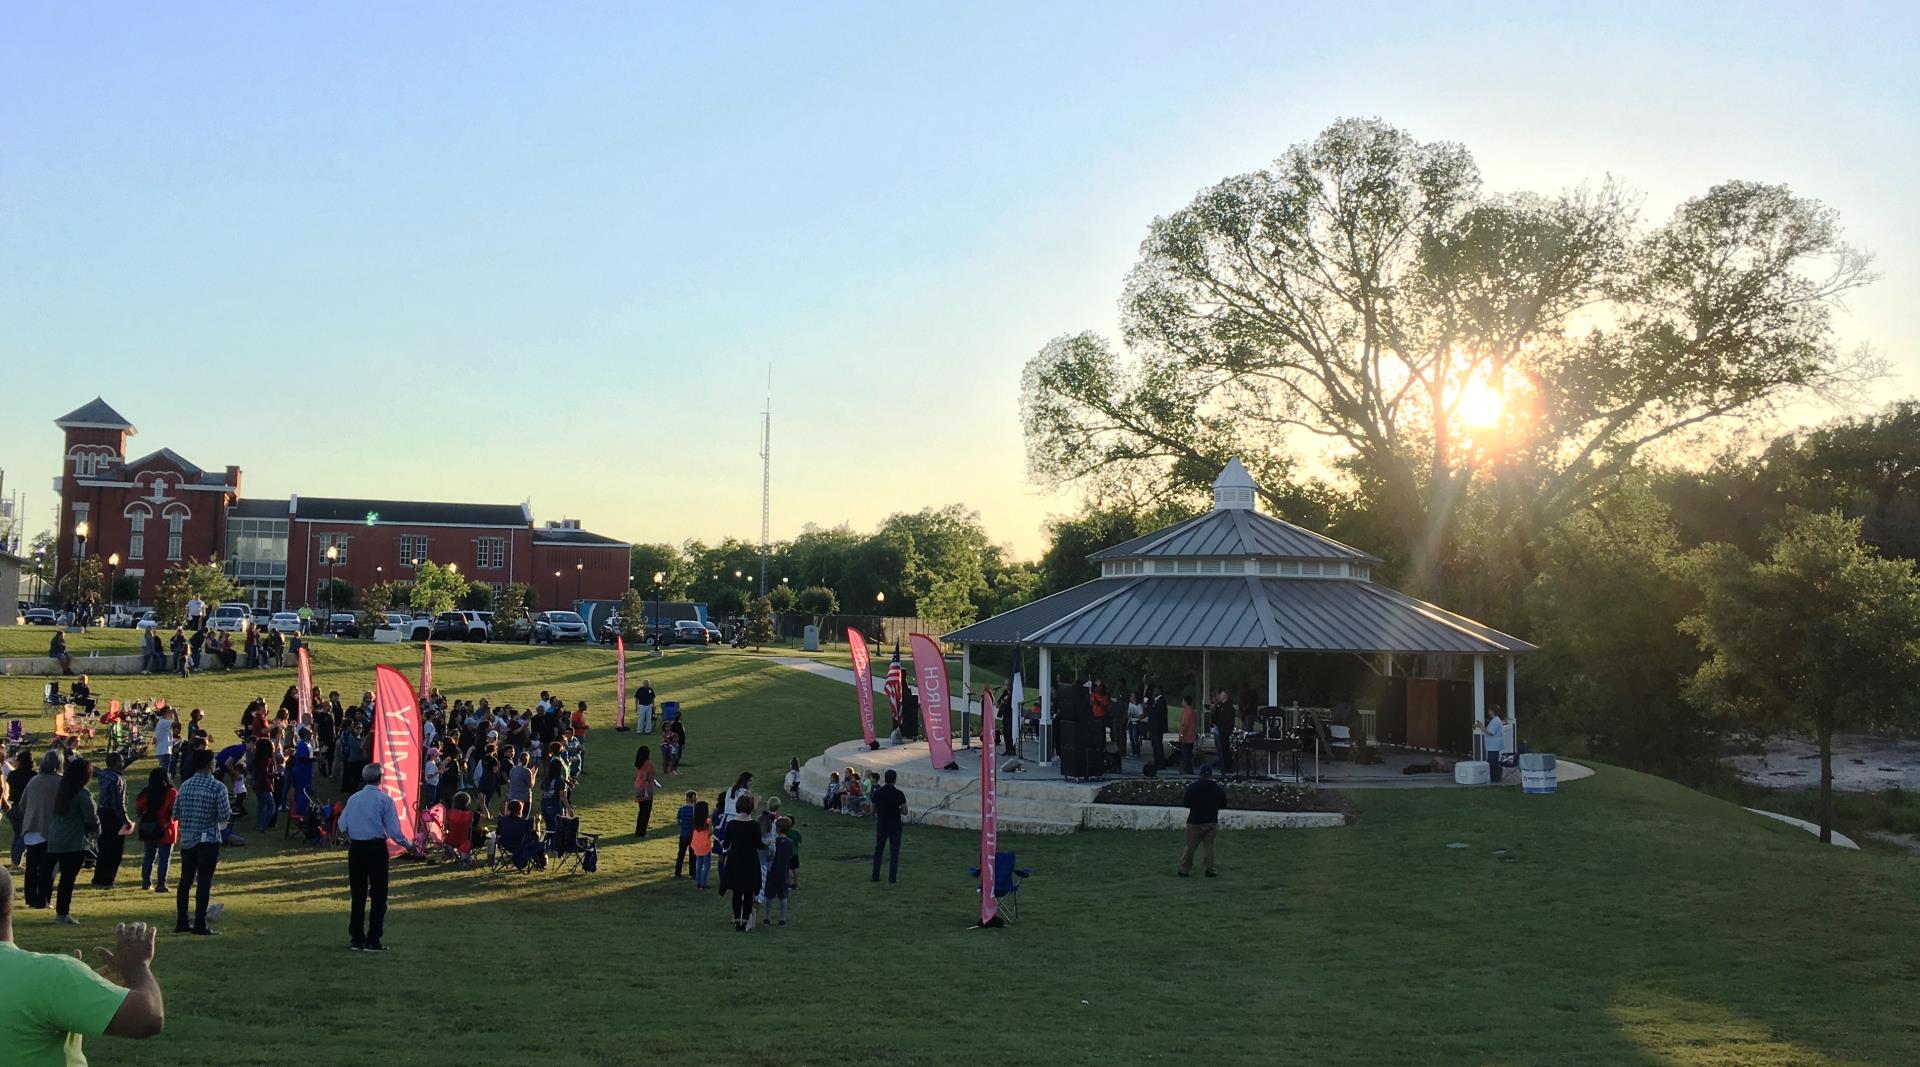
point(1820, 636)
point(1365, 291)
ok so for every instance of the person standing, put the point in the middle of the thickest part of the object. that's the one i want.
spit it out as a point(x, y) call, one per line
point(370, 821)
point(204, 811)
point(644, 783)
point(54, 1000)
point(1156, 726)
point(196, 613)
point(684, 820)
point(643, 708)
point(36, 821)
point(74, 833)
point(157, 828)
point(179, 645)
point(1204, 799)
point(112, 786)
point(1223, 730)
point(1189, 734)
point(18, 775)
point(740, 874)
point(889, 818)
point(1496, 742)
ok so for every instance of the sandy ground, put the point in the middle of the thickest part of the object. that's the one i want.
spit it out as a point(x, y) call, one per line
point(1862, 763)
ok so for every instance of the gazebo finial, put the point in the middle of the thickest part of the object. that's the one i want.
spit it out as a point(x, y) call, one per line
point(1235, 489)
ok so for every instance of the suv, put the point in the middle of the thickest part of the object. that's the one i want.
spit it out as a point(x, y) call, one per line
point(552, 626)
point(231, 618)
point(461, 626)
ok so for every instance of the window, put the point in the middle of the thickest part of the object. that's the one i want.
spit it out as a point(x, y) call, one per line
point(1289, 567)
point(137, 541)
point(1234, 566)
point(79, 542)
point(1188, 566)
point(85, 464)
point(412, 549)
point(1268, 566)
point(333, 541)
point(1359, 570)
point(1163, 566)
point(1209, 566)
point(1310, 568)
point(176, 523)
point(490, 553)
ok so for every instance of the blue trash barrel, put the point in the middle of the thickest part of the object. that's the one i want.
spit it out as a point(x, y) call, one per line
point(669, 710)
point(1539, 772)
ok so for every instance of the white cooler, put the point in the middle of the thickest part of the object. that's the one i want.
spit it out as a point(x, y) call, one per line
point(1471, 772)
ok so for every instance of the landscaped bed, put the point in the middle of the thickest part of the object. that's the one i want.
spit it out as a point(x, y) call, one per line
point(1241, 796)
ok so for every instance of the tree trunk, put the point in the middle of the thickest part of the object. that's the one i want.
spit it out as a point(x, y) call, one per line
point(1826, 784)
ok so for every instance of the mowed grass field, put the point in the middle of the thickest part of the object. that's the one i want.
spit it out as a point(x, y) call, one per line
point(1624, 921)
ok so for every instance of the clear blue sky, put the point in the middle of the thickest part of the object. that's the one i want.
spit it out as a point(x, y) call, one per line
point(487, 251)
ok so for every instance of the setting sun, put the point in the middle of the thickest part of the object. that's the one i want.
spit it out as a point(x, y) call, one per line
point(1480, 405)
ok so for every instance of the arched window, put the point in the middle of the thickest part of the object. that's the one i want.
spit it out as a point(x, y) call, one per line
point(137, 516)
point(176, 525)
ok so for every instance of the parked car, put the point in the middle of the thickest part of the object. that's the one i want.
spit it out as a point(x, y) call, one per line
point(231, 618)
point(149, 620)
point(517, 630)
point(714, 636)
point(286, 622)
point(120, 618)
point(343, 624)
point(552, 626)
point(461, 626)
point(40, 617)
point(689, 632)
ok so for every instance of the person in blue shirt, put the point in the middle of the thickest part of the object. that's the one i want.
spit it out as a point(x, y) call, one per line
point(369, 821)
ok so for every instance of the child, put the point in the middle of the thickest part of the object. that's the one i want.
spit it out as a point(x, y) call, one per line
point(778, 874)
point(793, 779)
point(702, 845)
point(793, 869)
point(685, 818)
point(852, 803)
point(765, 858)
point(576, 756)
point(832, 799)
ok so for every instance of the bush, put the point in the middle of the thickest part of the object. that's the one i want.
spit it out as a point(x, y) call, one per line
point(1241, 796)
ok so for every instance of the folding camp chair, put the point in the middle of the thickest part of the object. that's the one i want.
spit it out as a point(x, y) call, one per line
point(567, 846)
point(1006, 883)
point(520, 855)
point(17, 735)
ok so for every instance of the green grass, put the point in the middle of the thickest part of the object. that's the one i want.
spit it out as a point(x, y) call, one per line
point(1626, 920)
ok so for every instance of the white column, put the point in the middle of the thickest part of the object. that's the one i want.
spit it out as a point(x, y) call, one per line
point(1206, 682)
point(1046, 705)
point(1513, 717)
point(1480, 692)
point(1273, 679)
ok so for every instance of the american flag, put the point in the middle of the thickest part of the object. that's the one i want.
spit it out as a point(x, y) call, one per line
point(896, 683)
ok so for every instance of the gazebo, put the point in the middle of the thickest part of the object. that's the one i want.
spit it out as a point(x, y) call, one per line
point(1235, 580)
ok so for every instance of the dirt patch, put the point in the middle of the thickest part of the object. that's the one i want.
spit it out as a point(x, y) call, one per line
point(1241, 796)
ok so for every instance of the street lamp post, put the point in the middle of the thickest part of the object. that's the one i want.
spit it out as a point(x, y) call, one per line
point(579, 576)
point(556, 589)
point(659, 578)
point(113, 563)
point(333, 570)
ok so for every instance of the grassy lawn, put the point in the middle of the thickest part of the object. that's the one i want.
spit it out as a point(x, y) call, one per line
point(1624, 921)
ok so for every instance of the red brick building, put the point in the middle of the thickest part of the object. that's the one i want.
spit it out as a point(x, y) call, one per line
point(161, 509)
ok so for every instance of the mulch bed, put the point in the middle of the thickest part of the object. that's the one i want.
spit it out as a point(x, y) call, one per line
point(1241, 796)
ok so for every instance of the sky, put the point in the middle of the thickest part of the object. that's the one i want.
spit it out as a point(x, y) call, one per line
point(491, 252)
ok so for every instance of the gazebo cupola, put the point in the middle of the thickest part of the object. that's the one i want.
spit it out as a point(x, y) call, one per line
point(1235, 539)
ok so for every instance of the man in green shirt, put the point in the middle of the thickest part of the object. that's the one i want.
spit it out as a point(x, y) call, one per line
point(53, 1001)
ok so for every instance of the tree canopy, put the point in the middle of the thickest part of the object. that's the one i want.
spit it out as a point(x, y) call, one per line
point(1365, 292)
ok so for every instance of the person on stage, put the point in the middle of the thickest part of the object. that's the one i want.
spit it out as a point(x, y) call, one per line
point(370, 821)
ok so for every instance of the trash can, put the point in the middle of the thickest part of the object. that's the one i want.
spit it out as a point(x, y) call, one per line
point(1539, 773)
point(669, 710)
point(810, 639)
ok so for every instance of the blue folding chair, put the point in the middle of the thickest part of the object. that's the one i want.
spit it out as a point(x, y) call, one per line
point(1006, 883)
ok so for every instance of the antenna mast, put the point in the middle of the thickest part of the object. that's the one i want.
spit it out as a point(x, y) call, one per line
point(766, 479)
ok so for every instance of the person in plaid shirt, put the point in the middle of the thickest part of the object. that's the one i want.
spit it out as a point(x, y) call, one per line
point(204, 812)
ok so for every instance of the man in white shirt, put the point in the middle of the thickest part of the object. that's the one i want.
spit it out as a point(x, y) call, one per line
point(369, 821)
point(1496, 738)
point(196, 610)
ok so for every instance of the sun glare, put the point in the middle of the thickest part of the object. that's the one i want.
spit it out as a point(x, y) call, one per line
point(1480, 405)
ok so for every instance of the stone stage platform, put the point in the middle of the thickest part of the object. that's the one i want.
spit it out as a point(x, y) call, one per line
point(1031, 800)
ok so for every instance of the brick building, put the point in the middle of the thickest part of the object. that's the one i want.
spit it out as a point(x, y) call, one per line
point(161, 509)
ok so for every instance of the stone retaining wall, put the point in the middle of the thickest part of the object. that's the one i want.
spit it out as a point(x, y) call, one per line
point(46, 666)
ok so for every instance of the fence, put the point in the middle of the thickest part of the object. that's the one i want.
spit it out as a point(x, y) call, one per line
point(887, 630)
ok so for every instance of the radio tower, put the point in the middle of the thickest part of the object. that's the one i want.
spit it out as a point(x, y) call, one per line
point(766, 479)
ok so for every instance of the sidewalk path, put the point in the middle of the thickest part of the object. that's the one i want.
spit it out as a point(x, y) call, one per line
point(844, 676)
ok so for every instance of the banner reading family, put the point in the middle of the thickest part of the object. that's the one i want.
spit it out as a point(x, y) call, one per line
point(396, 744)
point(989, 815)
point(863, 685)
point(306, 689)
point(426, 670)
point(936, 710)
point(620, 679)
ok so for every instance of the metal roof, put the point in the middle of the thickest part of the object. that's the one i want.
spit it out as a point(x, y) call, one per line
point(95, 412)
point(1234, 532)
point(1238, 612)
point(554, 535)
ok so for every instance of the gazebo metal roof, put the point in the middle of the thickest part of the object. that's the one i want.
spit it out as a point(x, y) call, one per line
point(1215, 582)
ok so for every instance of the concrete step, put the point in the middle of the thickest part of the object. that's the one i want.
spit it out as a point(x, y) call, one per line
point(943, 807)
